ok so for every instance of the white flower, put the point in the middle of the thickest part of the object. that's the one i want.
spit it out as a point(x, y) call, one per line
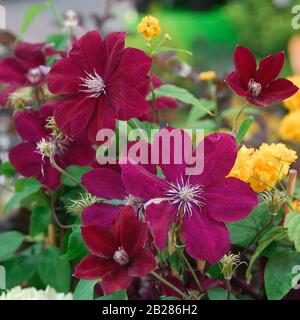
point(18, 293)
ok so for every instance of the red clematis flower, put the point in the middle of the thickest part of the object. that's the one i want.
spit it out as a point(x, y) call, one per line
point(26, 69)
point(160, 102)
point(37, 129)
point(117, 254)
point(260, 87)
point(200, 204)
point(105, 82)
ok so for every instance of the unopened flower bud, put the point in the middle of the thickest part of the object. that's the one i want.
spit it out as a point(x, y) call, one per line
point(274, 199)
point(20, 98)
point(229, 263)
point(167, 36)
point(121, 256)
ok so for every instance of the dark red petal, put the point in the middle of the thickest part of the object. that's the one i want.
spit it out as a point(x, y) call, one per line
point(205, 238)
point(220, 152)
point(100, 214)
point(73, 113)
point(115, 280)
point(234, 82)
point(11, 71)
point(79, 153)
point(92, 267)
point(230, 200)
point(245, 64)
point(160, 218)
point(48, 175)
point(100, 241)
point(29, 127)
point(269, 68)
point(114, 49)
point(142, 263)
point(30, 55)
point(132, 232)
point(104, 183)
point(25, 159)
point(64, 77)
point(165, 103)
point(278, 90)
point(141, 183)
point(174, 147)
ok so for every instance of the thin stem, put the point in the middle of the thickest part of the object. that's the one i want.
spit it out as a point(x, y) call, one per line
point(63, 226)
point(235, 123)
point(55, 13)
point(170, 285)
point(153, 102)
point(228, 287)
point(259, 233)
point(63, 172)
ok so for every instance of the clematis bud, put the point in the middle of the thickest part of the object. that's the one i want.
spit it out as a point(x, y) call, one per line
point(121, 256)
point(274, 199)
point(229, 263)
point(20, 98)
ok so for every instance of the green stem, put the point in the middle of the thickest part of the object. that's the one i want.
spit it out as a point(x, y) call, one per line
point(170, 285)
point(228, 287)
point(55, 13)
point(235, 123)
point(153, 102)
point(64, 173)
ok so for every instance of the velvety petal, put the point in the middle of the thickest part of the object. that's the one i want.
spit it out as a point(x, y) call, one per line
point(100, 241)
point(100, 214)
point(173, 152)
point(160, 218)
point(46, 110)
point(25, 159)
point(269, 68)
point(141, 183)
point(29, 127)
point(114, 49)
point(30, 55)
point(278, 90)
point(142, 263)
point(132, 232)
point(49, 176)
point(79, 153)
point(220, 152)
point(104, 183)
point(245, 64)
point(117, 279)
point(92, 267)
point(230, 200)
point(64, 77)
point(73, 113)
point(11, 71)
point(234, 82)
point(126, 101)
point(205, 238)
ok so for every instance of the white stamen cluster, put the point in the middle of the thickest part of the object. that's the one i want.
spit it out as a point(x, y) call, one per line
point(46, 148)
point(229, 263)
point(93, 85)
point(131, 200)
point(254, 87)
point(85, 200)
point(185, 196)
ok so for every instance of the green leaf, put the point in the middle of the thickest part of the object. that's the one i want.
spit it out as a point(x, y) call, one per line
point(7, 169)
point(76, 246)
point(40, 218)
point(244, 129)
point(29, 186)
point(10, 241)
point(169, 298)
point(58, 40)
point(30, 14)
point(76, 172)
point(219, 294)
point(183, 95)
point(85, 290)
point(280, 273)
point(275, 234)
point(118, 295)
point(55, 271)
point(241, 232)
point(292, 223)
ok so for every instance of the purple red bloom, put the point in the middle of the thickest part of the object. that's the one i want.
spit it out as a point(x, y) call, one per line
point(201, 204)
point(26, 69)
point(117, 254)
point(259, 86)
point(104, 82)
point(37, 127)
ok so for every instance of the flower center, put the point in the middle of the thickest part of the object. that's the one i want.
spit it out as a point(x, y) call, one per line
point(131, 200)
point(34, 75)
point(93, 84)
point(185, 196)
point(254, 88)
point(121, 256)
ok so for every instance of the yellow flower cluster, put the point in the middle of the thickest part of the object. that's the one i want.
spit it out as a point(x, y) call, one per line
point(261, 168)
point(207, 75)
point(290, 126)
point(296, 205)
point(293, 103)
point(149, 27)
